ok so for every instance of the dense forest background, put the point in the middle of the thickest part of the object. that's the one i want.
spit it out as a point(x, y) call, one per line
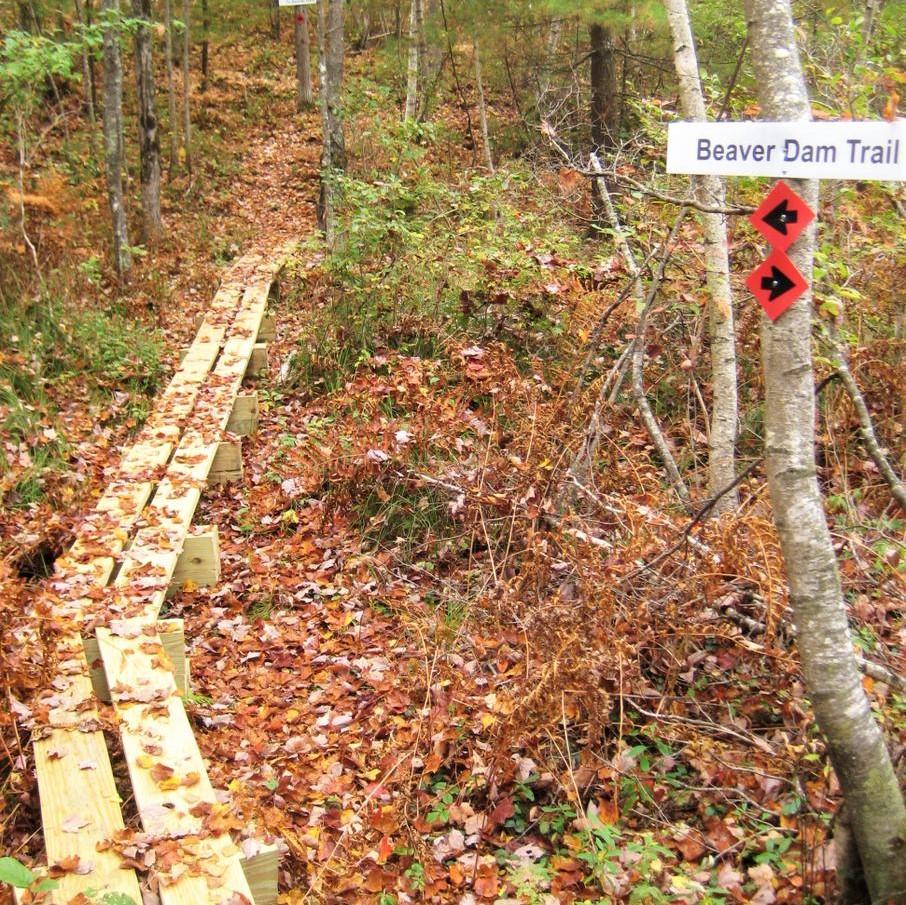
point(505, 614)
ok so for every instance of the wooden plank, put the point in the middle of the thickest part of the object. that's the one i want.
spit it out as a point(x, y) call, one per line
point(227, 464)
point(261, 870)
point(173, 637)
point(267, 332)
point(169, 777)
point(257, 365)
point(199, 561)
point(243, 420)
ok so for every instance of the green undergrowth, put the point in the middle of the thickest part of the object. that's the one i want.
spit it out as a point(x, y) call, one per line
point(422, 261)
point(52, 352)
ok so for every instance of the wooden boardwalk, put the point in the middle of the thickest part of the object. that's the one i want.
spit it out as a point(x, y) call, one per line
point(106, 595)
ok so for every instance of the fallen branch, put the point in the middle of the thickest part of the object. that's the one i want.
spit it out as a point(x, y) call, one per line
point(871, 669)
point(866, 428)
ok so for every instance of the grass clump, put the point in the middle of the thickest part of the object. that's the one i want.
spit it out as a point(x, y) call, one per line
point(54, 353)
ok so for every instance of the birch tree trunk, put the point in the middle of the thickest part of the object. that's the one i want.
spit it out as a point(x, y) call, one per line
point(874, 802)
point(482, 109)
point(330, 68)
point(412, 68)
point(148, 140)
point(113, 142)
point(710, 192)
point(186, 112)
point(304, 97)
point(171, 87)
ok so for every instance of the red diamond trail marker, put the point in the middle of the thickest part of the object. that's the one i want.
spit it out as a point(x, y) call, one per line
point(782, 216)
point(776, 284)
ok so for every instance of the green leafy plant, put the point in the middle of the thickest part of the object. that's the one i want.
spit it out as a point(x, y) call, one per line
point(17, 875)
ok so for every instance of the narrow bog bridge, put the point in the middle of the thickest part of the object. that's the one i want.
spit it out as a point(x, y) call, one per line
point(107, 593)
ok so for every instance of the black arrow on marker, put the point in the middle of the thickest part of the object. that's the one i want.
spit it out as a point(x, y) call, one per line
point(780, 216)
point(778, 283)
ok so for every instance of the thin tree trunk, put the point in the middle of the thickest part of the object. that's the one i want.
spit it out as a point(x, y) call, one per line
point(113, 143)
point(89, 17)
point(205, 44)
point(87, 75)
point(186, 112)
point(874, 800)
point(275, 19)
point(710, 191)
point(304, 96)
point(171, 88)
point(605, 109)
point(544, 79)
point(482, 109)
point(581, 467)
point(330, 68)
point(412, 68)
point(872, 8)
point(148, 139)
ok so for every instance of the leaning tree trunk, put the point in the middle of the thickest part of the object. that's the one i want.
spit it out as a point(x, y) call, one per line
point(186, 112)
point(874, 802)
point(148, 140)
point(709, 192)
point(304, 97)
point(412, 68)
point(171, 88)
point(330, 68)
point(113, 141)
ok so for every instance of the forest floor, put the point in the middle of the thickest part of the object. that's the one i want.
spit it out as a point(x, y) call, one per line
point(416, 676)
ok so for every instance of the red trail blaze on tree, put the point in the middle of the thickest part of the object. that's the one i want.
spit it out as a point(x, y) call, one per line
point(776, 284)
point(782, 216)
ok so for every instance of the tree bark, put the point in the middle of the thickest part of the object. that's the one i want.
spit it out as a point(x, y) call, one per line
point(856, 745)
point(304, 96)
point(412, 68)
point(171, 88)
point(148, 139)
point(605, 108)
point(330, 68)
point(710, 191)
point(113, 141)
point(186, 112)
point(482, 109)
point(87, 74)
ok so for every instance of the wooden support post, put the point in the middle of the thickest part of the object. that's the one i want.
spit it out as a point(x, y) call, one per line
point(260, 871)
point(273, 293)
point(267, 332)
point(257, 365)
point(244, 418)
point(199, 561)
point(227, 464)
point(172, 637)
